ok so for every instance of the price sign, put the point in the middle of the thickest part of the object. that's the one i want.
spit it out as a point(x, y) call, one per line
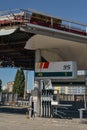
point(55, 70)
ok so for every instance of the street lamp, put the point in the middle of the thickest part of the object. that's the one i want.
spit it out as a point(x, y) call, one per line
point(26, 79)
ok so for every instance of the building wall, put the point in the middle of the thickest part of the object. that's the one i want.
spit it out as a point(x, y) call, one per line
point(76, 90)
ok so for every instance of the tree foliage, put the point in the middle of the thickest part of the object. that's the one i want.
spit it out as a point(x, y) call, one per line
point(19, 83)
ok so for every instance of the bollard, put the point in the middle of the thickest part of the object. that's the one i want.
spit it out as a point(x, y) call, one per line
point(27, 115)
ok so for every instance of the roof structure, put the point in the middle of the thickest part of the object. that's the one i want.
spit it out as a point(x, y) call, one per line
point(56, 49)
point(23, 32)
point(12, 52)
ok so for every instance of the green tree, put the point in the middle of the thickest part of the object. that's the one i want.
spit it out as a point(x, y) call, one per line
point(19, 83)
point(0, 85)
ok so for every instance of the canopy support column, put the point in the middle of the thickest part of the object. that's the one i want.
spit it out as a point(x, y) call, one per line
point(38, 59)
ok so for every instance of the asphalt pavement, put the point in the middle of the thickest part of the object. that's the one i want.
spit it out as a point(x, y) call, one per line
point(18, 121)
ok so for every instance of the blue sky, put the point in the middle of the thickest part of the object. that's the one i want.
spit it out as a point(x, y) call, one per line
point(69, 9)
point(8, 75)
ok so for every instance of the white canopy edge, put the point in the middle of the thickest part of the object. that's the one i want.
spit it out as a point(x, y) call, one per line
point(46, 42)
point(4, 32)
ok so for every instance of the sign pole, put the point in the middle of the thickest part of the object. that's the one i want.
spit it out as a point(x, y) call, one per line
point(85, 95)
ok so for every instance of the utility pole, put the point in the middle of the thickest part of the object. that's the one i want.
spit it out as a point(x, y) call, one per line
point(26, 79)
point(85, 95)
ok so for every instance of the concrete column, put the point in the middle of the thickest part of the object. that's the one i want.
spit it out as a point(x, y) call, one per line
point(37, 56)
point(38, 59)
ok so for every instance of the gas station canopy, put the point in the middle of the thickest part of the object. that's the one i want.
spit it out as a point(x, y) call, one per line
point(56, 49)
point(24, 32)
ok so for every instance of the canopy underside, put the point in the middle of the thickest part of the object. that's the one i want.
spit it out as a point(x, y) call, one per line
point(55, 49)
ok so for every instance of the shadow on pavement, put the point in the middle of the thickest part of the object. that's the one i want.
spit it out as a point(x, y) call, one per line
point(13, 110)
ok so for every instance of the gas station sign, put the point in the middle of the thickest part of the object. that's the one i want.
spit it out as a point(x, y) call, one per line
point(56, 70)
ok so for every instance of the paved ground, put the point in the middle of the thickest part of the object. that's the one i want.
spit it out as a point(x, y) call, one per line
point(20, 122)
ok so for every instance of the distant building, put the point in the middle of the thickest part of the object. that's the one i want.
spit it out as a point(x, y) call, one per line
point(8, 87)
point(76, 90)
